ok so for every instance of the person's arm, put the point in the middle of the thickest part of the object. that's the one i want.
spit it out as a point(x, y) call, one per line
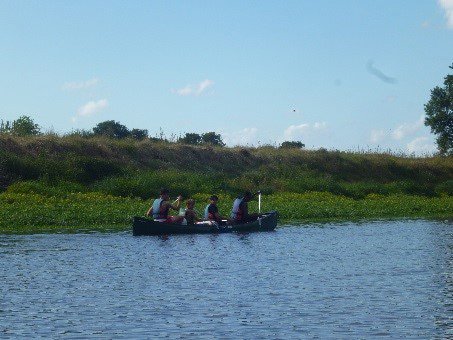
point(150, 211)
point(177, 204)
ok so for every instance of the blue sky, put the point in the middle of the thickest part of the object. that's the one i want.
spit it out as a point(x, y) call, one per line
point(333, 74)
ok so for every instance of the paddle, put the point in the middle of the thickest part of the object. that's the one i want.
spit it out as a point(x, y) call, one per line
point(259, 201)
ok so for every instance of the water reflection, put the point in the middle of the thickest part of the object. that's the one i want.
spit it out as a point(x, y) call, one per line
point(442, 245)
point(384, 278)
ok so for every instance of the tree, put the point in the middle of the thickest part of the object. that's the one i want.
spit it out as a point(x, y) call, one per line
point(292, 145)
point(5, 127)
point(439, 114)
point(212, 138)
point(22, 126)
point(139, 134)
point(80, 133)
point(111, 129)
point(190, 138)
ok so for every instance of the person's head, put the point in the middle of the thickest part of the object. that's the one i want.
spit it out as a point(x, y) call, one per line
point(165, 194)
point(213, 199)
point(190, 204)
point(247, 196)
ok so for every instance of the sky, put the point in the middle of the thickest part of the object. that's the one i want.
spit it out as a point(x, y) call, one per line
point(347, 75)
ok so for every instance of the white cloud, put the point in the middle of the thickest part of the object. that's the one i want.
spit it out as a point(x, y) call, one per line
point(319, 126)
point(447, 6)
point(80, 84)
point(421, 145)
point(246, 136)
point(377, 136)
point(400, 132)
point(90, 108)
point(407, 129)
point(194, 90)
point(204, 85)
point(185, 91)
point(296, 132)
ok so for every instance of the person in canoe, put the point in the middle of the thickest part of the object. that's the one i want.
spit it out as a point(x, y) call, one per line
point(240, 211)
point(162, 205)
point(190, 214)
point(211, 212)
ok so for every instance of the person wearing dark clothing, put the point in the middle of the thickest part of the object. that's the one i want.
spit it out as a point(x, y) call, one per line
point(211, 212)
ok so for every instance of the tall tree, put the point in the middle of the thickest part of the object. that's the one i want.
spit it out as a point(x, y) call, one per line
point(190, 138)
point(5, 127)
point(439, 114)
point(23, 126)
point(111, 129)
point(212, 138)
point(139, 134)
point(292, 145)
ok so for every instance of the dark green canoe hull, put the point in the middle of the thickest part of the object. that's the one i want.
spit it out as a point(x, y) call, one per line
point(145, 226)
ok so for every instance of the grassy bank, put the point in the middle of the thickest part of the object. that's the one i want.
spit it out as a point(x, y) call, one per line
point(34, 213)
point(51, 183)
point(138, 169)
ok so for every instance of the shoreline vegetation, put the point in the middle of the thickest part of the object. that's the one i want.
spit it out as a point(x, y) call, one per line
point(32, 213)
point(53, 183)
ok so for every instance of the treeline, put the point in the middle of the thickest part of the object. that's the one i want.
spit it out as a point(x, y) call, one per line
point(25, 126)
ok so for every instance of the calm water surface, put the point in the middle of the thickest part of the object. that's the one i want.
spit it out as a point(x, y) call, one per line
point(330, 281)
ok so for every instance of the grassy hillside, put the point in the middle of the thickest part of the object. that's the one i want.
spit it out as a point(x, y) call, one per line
point(133, 168)
point(56, 184)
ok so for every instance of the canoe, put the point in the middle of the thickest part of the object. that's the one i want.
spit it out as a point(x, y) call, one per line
point(146, 226)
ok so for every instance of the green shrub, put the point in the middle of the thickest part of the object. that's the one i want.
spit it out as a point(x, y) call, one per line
point(84, 169)
point(58, 189)
point(17, 168)
point(445, 188)
point(148, 184)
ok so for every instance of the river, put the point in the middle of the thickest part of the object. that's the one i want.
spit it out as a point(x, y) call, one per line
point(369, 279)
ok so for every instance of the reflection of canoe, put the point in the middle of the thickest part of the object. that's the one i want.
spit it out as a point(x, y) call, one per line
point(146, 226)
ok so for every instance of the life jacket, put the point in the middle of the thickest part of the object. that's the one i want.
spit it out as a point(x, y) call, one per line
point(237, 212)
point(207, 214)
point(158, 214)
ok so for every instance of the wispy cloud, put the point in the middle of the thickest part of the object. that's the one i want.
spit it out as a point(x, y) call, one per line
point(421, 145)
point(90, 108)
point(407, 129)
point(246, 136)
point(400, 132)
point(447, 6)
point(194, 90)
point(377, 136)
point(379, 74)
point(294, 132)
point(319, 126)
point(79, 85)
